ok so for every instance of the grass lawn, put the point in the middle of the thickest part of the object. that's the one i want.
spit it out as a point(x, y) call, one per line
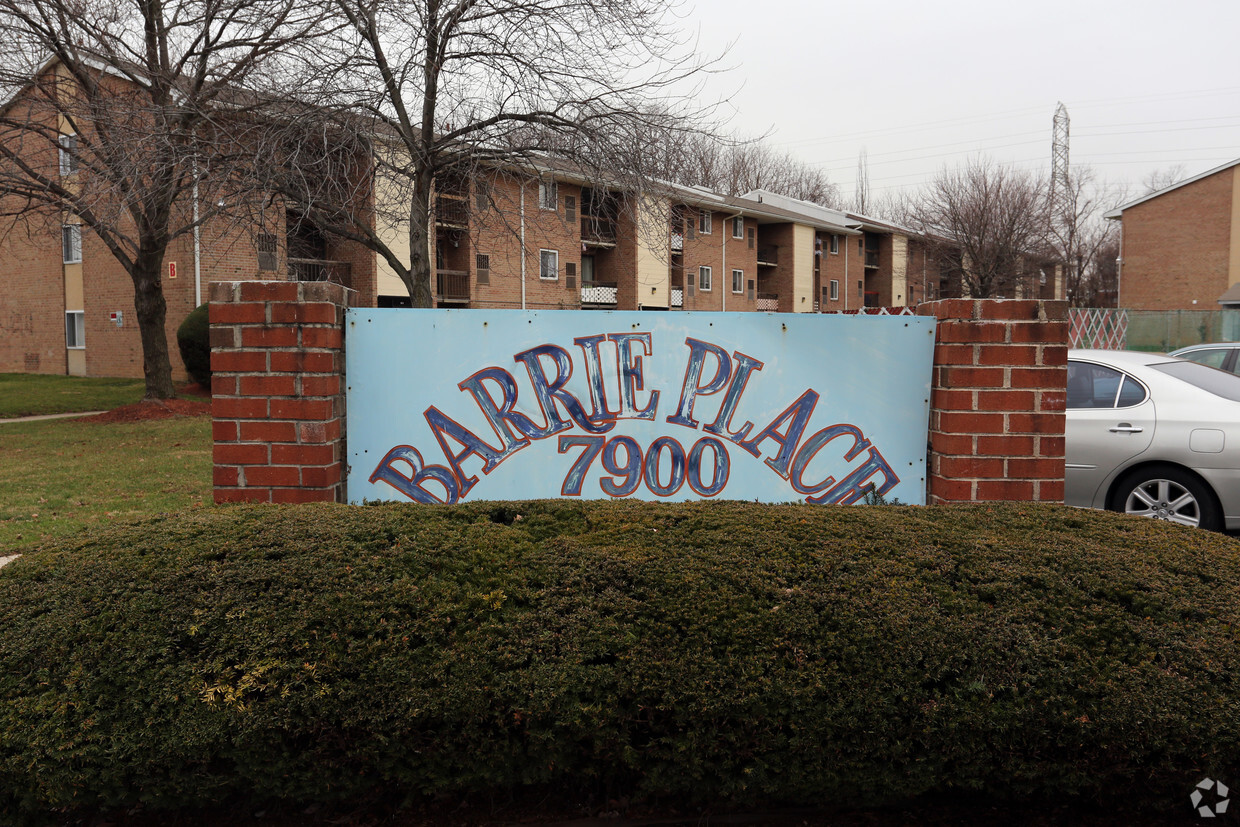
point(59, 477)
point(26, 394)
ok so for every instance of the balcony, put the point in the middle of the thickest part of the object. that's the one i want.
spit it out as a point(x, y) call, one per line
point(317, 269)
point(452, 285)
point(678, 241)
point(678, 297)
point(598, 293)
point(768, 302)
point(871, 259)
point(451, 211)
point(768, 256)
point(598, 231)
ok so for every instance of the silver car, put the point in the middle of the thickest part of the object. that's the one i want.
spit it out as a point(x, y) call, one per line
point(1223, 355)
point(1153, 435)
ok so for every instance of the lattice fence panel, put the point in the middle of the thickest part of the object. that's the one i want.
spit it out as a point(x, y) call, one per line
point(1102, 328)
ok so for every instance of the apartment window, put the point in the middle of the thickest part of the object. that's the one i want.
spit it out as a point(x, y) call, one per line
point(548, 264)
point(738, 281)
point(704, 222)
point(860, 289)
point(570, 209)
point(835, 290)
point(71, 241)
point(703, 278)
point(738, 227)
point(835, 245)
point(266, 243)
point(68, 154)
point(482, 264)
point(860, 245)
point(547, 194)
point(75, 329)
point(482, 195)
point(751, 240)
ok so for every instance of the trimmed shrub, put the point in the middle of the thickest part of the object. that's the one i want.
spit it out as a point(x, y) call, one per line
point(194, 342)
point(722, 652)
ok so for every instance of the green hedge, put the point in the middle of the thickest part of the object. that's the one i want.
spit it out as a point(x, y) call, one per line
point(721, 652)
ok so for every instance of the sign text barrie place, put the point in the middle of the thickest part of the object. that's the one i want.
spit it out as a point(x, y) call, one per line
point(448, 405)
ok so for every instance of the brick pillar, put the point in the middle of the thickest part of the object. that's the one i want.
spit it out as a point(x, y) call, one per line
point(997, 404)
point(277, 362)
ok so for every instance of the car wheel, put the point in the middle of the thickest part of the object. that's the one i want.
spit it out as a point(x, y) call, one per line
point(1167, 493)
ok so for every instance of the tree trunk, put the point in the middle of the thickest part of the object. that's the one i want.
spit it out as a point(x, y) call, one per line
point(152, 312)
point(420, 264)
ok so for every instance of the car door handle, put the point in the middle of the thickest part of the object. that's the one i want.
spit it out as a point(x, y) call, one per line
point(1125, 428)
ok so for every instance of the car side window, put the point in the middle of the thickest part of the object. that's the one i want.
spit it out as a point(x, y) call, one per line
point(1130, 393)
point(1095, 386)
point(1214, 357)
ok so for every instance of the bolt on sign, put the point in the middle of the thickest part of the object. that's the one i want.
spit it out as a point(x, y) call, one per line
point(452, 405)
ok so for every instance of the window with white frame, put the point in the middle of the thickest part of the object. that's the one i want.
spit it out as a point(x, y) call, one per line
point(835, 290)
point(71, 243)
point(738, 227)
point(547, 194)
point(704, 222)
point(75, 329)
point(548, 264)
point(738, 281)
point(703, 278)
point(68, 154)
point(835, 245)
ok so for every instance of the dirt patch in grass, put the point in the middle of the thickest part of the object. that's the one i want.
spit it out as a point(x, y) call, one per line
point(149, 409)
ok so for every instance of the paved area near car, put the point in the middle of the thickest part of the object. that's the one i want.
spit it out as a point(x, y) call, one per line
point(4, 561)
point(50, 416)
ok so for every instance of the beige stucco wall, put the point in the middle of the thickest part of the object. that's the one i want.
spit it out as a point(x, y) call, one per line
point(802, 269)
point(395, 235)
point(899, 270)
point(653, 252)
point(1233, 264)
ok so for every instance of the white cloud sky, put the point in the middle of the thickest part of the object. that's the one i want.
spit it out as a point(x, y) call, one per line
point(920, 84)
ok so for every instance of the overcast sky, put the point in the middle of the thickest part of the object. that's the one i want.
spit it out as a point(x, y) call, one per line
point(918, 84)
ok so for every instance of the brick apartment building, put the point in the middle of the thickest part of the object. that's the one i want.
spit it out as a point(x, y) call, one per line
point(536, 238)
point(1180, 246)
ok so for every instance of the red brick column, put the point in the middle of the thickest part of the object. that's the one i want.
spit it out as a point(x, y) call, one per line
point(277, 362)
point(997, 404)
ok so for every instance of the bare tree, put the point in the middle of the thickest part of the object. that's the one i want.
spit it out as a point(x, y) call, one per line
point(990, 222)
point(1078, 232)
point(861, 195)
point(734, 167)
point(450, 90)
point(116, 124)
point(1160, 179)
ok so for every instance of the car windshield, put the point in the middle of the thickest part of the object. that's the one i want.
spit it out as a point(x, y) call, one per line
point(1226, 385)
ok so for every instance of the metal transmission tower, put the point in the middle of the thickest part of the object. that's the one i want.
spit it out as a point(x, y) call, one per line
point(1060, 208)
point(1059, 163)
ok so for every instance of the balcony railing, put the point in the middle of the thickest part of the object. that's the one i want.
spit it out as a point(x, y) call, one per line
point(871, 259)
point(768, 302)
point(452, 285)
point(597, 230)
point(768, 255)
point(678, 241)
point(598, 293)
point(450, 211)
point(678, 297)
point(317, 269)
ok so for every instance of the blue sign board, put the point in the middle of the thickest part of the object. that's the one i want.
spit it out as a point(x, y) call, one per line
point(455, 405)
